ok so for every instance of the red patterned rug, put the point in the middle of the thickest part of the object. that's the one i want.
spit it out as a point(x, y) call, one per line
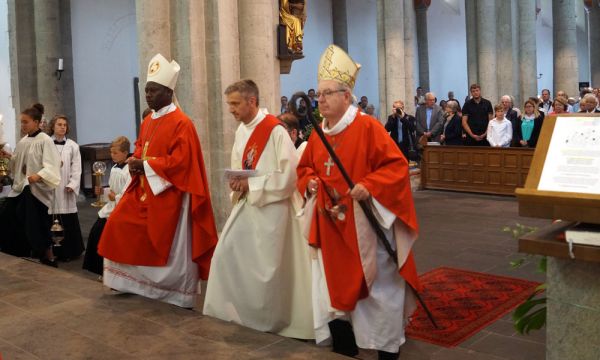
point(464, 302)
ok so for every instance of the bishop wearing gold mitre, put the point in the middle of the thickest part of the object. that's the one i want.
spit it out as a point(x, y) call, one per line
point(360, 296)
point(159, 240)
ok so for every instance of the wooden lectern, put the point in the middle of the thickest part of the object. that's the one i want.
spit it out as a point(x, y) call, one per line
point(573, 289)
point(551, 204)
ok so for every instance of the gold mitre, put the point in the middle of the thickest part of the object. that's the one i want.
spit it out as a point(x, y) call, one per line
point(163, 72)
point(336, 65)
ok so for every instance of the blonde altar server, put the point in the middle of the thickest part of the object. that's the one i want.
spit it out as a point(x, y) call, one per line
point(360, 296)
point(65, 196)
point(260, 273)
point(159, 239)
point(35, 168)
point(117, 183)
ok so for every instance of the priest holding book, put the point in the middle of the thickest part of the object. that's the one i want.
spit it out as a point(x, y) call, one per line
point(260, 273)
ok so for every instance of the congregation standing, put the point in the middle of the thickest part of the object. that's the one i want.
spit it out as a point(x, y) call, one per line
point(297, 255)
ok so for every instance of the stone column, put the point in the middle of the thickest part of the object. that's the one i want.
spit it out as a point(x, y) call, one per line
point(564, 33)
point(153, 37)
point(381, 60)
point(471, 24)
point(203, 37)
point(486, 49)
point(573, 309)
point(188, 46)
point(22, 57)
point(222, 68)
point(67, 82)
point(46, 21)
point(340, 23)
point(153, 33)
point(410, 59)
point(508, 84)
point(421, 19)
point(594, 21)
point(393, 28)
point(527, 50)
point(258, 48)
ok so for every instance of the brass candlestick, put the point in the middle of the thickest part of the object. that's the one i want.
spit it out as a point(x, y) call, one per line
point(4, 170)
point(99, 169)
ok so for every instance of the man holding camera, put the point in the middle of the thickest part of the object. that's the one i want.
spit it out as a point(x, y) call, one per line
point(401, 128)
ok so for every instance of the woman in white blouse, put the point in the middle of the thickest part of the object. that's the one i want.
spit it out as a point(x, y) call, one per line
point(35, 167)
point(65, 196)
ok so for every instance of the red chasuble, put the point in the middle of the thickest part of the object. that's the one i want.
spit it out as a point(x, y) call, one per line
point(371, 158)
point(141, 228)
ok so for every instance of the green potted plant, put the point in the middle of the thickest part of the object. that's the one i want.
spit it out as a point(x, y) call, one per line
point(531, 314)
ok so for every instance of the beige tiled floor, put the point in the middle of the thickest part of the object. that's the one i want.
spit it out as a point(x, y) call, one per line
point(65, 314)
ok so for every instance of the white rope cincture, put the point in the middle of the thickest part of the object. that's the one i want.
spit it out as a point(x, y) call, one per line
point(570, 242)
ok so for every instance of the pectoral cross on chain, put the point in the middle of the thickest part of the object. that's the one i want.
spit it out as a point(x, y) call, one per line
point(328, 164)
point(144, 157)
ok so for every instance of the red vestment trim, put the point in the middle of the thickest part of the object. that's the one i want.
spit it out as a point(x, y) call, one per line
point(258, 141)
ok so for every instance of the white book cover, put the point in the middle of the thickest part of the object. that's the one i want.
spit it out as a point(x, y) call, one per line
point(584, 234)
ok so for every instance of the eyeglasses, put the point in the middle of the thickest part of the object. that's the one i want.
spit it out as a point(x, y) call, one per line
point(327, 93)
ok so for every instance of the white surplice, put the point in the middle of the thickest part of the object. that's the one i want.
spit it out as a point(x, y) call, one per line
point(177, 282)
point(70, 176)
point(379, 319)
point(260, 271)
point(35, 155)
point(117, 182)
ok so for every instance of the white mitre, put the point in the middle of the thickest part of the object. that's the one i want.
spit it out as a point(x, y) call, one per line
point(163, 72)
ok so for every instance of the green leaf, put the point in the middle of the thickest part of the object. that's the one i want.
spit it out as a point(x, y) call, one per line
point(525, 307)
point(533, 321)
point(517, 263)
point(542, 265)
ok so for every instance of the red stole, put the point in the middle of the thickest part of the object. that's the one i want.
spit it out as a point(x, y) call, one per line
point(372, 159)
point(258, 141)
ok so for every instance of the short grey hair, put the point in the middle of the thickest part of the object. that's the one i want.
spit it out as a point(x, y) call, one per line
point(453, 105)
point(430, 94)
point(353, 98)
point(246, 87)
point(590, 99)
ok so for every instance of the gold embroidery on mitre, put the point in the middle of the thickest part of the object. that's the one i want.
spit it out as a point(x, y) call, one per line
point(153, 68)
point(337, 65)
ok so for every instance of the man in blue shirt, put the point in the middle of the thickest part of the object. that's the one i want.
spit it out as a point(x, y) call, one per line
point(430, 119)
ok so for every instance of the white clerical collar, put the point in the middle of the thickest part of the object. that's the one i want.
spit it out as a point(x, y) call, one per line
point(260, 115)
point(163, 111)
point(344, 122)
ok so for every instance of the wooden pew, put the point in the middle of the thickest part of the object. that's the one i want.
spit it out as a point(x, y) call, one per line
point(475, 169)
